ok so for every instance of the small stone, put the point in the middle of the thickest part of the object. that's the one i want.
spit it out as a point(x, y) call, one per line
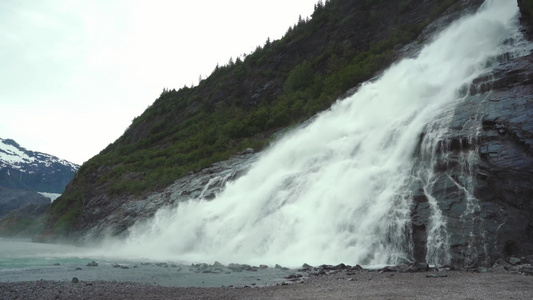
point(92, 264)
point(515, 261)
point(218, 265)
point(248, 151)
point(75, 280)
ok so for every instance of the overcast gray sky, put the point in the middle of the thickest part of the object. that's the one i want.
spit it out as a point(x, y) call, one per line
point(74, 73)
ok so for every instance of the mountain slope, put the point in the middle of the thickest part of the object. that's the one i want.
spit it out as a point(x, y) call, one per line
point(243, 103)
point(24, 169)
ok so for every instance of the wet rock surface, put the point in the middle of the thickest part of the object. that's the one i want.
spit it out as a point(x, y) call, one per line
point(484, 181)
point(120, 213)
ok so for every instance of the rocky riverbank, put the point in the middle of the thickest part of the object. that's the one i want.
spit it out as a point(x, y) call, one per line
point(340, 285)
point(506, 279)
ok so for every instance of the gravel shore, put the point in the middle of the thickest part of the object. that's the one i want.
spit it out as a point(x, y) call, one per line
point(365, 285)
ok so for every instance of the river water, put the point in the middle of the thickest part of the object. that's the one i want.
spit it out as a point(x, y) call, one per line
point(22, 260)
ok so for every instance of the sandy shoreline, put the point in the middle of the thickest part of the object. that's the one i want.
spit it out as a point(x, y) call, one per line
point(364, 285)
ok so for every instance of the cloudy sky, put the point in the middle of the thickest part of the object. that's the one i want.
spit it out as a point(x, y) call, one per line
point(74, 73)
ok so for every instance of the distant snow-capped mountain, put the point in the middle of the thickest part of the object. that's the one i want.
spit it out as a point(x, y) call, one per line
point(24, 169)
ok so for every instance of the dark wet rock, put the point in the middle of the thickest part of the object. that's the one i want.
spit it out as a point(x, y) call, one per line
point(515, 261)
point(333, 268)
point(527, 270)
point(526, 16)
point(494, 165)
point(78, 269)
point(280, 267)
point(503, 263)
point(485, 264)
point(92, 264)
point(397, 268)
point(340, 266)
point(528, 259)
point(356, 268)
point(418, 267)
point(318, 271)
point(75, 280)
point(241, 267)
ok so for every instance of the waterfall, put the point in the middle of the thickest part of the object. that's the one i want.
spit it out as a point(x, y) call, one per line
point(339, 189)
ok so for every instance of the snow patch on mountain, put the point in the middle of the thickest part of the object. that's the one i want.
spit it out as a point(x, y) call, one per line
point(17, 157)
point(21, 168)
point(52, 196)
point(12, 154)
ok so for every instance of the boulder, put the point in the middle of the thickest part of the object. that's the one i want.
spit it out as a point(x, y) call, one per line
point(418, 267)
point(92, 264)
point(515, 261)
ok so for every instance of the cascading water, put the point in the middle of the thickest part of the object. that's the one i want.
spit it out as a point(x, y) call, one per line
point(338, 190)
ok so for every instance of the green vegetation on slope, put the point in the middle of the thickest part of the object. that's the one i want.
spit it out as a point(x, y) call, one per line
point(242, 103)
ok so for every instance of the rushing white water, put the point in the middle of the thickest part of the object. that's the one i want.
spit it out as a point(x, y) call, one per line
point(338, 189)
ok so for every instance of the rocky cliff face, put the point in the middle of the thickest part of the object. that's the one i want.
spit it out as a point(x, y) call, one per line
point(99, 218)
point(526, 16)
point(484, 171)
